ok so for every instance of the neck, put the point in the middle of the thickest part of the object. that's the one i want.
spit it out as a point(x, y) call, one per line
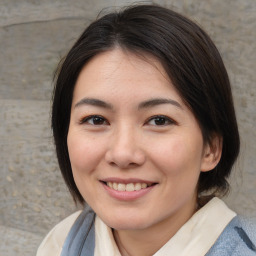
point(146, 242)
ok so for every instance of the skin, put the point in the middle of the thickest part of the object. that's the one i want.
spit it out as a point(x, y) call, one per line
point(127, 142)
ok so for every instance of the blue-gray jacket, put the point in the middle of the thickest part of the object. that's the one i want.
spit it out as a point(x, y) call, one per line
point(237, 239)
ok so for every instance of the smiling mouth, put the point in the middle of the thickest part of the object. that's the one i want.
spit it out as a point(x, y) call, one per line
point(128, 187)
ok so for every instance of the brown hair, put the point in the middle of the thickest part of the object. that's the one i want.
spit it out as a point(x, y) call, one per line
point(189, 57)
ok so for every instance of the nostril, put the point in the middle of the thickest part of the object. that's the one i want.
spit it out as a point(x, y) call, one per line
point(124, 157)
point(123, 165)
point(112, 163)
point(133, 164)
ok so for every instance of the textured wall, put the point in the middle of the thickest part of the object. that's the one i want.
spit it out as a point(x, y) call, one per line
point(34, 34)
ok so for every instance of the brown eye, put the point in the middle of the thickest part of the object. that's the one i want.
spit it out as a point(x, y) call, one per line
point(94, 120)
point(97, 120)
point(160, 121)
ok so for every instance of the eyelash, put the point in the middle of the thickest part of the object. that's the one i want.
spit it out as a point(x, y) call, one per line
point(164, 118)
point(103, 121)
point(93, 117)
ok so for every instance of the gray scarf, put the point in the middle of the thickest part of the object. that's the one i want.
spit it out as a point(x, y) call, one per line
point(81, 237)
point(238, 238)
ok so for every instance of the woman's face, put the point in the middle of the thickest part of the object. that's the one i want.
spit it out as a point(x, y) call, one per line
point(136, 150)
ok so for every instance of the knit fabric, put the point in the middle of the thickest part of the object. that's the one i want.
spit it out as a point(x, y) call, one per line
point(237, 239)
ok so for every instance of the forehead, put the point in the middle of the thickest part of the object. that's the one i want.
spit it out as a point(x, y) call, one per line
point(118, 72)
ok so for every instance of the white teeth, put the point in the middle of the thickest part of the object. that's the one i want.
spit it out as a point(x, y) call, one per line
point(137, 186)
point(121, 187)
point(110, 184)
point(115, 186)
point(127, 187)
point(144, 185)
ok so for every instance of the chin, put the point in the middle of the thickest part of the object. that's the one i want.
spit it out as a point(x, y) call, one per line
point(125, 222)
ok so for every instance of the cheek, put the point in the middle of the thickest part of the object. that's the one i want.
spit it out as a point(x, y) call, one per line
point(178, 156)
point(84, 154)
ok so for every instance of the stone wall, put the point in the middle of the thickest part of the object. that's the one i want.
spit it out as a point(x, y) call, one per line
point(34, 34)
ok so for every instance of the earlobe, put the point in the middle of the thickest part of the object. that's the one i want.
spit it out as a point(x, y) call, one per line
point(212, 153)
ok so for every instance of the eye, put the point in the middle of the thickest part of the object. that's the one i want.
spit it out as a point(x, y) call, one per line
point(94, 120)
point(160, 120)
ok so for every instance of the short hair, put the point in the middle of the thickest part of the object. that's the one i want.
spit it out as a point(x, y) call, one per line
point(190, 59)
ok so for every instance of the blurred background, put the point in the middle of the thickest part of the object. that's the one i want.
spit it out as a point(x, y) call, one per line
point(34, 35)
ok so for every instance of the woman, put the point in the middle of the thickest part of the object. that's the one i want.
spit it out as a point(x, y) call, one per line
point(146, 135)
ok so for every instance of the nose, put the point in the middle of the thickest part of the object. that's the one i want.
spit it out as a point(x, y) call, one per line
point(124, 149)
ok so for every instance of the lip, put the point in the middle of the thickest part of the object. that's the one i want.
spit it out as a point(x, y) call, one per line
point(127, 181)
point(127, 195)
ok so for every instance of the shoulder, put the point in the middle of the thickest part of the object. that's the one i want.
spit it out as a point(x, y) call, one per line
point(54, 240)
point(237, 239)
point(249, 226)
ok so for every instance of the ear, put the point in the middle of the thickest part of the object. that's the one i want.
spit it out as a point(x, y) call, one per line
point(212, 153)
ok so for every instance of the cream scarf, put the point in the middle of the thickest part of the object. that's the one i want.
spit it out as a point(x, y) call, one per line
point(194, 238)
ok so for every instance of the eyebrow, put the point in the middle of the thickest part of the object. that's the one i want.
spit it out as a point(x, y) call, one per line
point(145, 104)
point(158, 101)
point(93, 102)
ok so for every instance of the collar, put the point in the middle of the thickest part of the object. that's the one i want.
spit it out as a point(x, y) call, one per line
point(194, 238)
